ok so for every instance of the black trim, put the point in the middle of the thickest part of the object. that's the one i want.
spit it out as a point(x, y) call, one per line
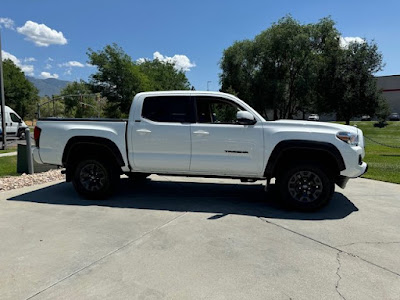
point(90, 140)
point(341, 181)
point(284, 146)
point(84, 119)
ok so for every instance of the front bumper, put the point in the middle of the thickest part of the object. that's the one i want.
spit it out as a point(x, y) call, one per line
point(341, 180)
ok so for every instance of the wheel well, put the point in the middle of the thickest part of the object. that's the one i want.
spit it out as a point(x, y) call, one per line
point(90, 147)
point(288, 153)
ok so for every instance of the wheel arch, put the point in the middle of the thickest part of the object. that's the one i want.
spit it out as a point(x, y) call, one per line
point(289, 151)
point(88, 146)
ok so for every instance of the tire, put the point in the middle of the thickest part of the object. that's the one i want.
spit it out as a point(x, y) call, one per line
point(21, 134)
point(94, 178)
point(306, 187)
point(138, 176)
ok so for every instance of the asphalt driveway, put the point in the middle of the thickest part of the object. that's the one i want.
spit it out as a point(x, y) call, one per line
point(185, 238)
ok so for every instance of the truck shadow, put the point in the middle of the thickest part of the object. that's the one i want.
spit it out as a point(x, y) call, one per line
point(209, 197)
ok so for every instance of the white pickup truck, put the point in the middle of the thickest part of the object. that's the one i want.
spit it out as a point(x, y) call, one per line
point(205, 134)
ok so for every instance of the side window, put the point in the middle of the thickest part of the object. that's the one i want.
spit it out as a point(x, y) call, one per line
point(177, 109)
point(14, 118)
point(216, 110)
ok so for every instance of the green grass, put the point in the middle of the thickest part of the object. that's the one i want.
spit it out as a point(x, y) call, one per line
point(8, 150)
point(8, 166)
point(383, 162)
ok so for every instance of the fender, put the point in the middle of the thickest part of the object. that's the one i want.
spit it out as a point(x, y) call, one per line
point(91, 140)
point(290, 145)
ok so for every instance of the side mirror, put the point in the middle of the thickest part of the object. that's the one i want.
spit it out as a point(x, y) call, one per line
point(245, 118)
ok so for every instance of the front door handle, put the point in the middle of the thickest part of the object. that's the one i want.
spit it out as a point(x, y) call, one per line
point(201, 132)
point(143, 131)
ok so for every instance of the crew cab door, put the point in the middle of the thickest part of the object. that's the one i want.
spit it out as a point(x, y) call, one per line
point(160, 134)
point(221, 146)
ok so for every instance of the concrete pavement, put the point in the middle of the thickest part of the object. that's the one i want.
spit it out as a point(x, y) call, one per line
point(187, 238)
point(8, 154)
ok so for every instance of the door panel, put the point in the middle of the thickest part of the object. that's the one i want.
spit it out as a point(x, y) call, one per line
point(227, 149)
point(220, 146)
point(161, 138)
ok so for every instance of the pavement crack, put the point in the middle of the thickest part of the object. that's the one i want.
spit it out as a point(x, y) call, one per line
point(376, 243)
point(338, 275)
point(107, 255)
point(329, 246)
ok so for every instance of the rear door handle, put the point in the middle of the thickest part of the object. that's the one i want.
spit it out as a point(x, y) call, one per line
point(143, 131)
point(201, 132)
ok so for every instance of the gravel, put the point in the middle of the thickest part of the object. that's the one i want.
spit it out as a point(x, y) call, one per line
point(15, 182)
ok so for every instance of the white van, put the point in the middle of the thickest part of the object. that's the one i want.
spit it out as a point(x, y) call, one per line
point(15, 126)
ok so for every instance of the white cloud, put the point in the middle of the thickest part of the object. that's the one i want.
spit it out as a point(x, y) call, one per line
point(49, 59)
point(68, 72)
point(347, 40)
point(90, 65)
point(181, 62)
point(141, 60)
point(47, 75)
point(48, 66)
point(72, 64)
point(27, 69)
point(29, 59)
point(42, 35)
point(7, 23)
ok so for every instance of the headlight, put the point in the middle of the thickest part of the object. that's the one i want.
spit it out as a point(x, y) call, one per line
point(348, 137)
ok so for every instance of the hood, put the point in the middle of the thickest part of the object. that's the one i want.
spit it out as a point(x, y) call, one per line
point(311, 126)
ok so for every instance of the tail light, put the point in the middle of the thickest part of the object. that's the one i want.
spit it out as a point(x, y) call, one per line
point(36, 135)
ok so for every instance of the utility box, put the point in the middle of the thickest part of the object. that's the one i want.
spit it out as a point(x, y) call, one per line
point(22, 162)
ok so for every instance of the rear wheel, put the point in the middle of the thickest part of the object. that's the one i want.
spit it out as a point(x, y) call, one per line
point(306, 186)
point(94, 178)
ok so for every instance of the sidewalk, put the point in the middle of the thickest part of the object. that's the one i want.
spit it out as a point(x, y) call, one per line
point(9, 154)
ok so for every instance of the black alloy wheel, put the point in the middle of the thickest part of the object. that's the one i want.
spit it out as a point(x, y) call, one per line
point(306, 186)
point(94, 179)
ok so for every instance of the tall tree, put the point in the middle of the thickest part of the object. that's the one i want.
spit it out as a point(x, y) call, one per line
point(292, 68)
point(79, 100)
point(164, 75)
point(357, 92)
point(117, 78)
point(20, 93)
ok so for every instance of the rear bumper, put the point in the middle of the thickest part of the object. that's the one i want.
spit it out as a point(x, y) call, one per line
point(36, 156)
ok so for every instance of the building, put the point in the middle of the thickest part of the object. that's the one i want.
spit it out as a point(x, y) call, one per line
point(390, 86)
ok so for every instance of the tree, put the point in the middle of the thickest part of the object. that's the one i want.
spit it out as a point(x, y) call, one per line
point(163, 76)
point(292, 68)
point(79, 100)
point(20, 94)
point(117, 78)
point(357, 91)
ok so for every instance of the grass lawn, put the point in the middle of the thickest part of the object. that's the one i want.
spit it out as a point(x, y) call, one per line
point(8, 150)
point(383, 162)
point(8, 166)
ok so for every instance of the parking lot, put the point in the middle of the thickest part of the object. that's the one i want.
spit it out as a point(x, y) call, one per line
point(12, 142)
point(186, 238)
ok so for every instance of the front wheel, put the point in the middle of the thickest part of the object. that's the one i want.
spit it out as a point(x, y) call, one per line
point(306, 187)
point(94, 179)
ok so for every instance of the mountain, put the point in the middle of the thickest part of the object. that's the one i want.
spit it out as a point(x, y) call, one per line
point(49, 86)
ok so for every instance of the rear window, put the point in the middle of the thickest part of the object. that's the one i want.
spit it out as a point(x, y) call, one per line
point(173, 109)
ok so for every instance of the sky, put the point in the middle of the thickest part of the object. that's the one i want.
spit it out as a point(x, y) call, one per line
point(48, 38)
